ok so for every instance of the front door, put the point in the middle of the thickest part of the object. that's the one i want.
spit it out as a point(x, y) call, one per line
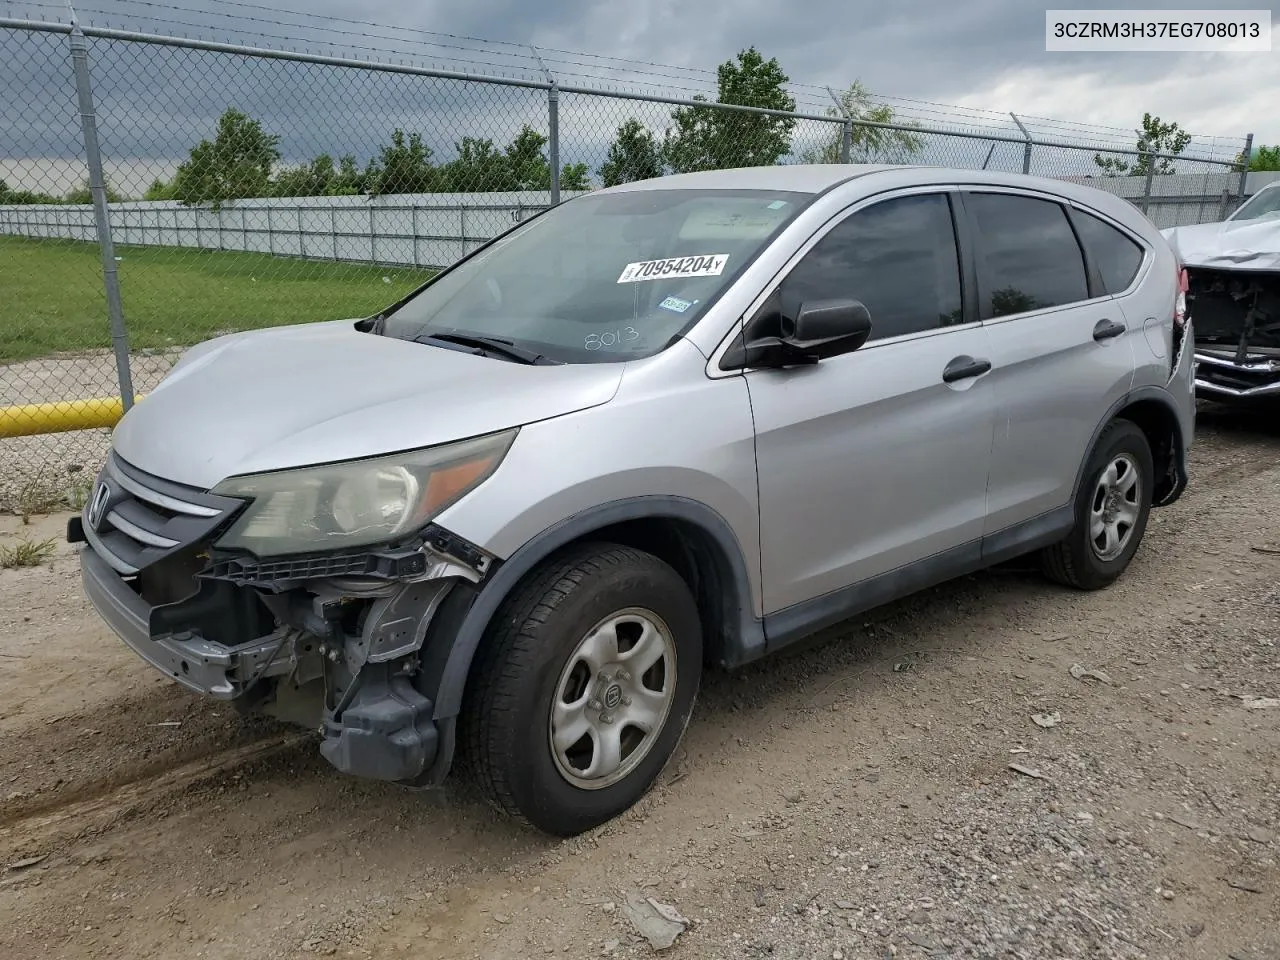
point(877, 458)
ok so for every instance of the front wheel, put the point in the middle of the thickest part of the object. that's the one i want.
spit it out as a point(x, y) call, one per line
point(1111, 511)
point(584, 688)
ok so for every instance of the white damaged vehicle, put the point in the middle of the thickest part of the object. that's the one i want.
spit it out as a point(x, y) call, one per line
point(1233, 295)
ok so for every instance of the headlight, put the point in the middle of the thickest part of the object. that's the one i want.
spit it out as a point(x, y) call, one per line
point(361, 502)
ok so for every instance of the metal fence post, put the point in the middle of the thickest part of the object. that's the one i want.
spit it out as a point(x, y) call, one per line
point(1244, 167)
point(846, 128)
point(553, 141)
point(97, 187)
point(553, 125)
point(1026, 147)
point(1151, 172)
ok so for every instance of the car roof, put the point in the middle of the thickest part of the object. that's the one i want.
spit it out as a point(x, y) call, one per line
point(815, 178)
point(794, 177)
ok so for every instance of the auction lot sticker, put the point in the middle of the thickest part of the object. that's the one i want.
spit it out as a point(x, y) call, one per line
point(703, 265)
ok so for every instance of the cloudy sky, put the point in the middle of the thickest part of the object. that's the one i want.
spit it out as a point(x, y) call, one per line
point(981, 59)
point(980, 53)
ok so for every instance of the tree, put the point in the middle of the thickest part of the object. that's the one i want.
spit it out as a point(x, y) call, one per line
point(710, 138)
point(11, 196)
point(522, 165)
point(1154, 137)
point(633, 155)
point(159, 190)
point(529, 169)
point(478, 168)
point(575, 176)
point(83, 194)
point(309, 180)
point(236, 163)
point(403, 166)
point(866, 144)
point(348, 180)
point(1263, 158)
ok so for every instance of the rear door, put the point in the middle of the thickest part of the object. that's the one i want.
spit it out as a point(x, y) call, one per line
point(878, 458)
point(1061, 350)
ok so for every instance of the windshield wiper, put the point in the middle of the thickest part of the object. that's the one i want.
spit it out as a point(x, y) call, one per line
point(488, 345)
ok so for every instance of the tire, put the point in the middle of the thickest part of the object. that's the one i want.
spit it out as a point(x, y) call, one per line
point(1077, 560)
point(537, 653)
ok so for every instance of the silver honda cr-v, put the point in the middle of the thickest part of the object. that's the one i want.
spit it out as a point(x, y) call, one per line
point(663, 426)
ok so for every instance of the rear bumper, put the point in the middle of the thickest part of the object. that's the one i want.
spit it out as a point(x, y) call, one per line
point(1219, 377)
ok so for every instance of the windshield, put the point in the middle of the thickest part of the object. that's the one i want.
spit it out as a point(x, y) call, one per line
point(1264, 203)
point(602, 277)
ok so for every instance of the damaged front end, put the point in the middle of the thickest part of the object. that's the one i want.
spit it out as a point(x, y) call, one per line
point(1233, 296)
point(342, 642)
point(1237, 318)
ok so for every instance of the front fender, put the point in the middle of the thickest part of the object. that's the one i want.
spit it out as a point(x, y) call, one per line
point(746, 633)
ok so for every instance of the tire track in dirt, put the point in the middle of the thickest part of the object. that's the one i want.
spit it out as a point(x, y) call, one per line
point(90, 809)
point(369, 870)
point(147, 767)
point(66, 758)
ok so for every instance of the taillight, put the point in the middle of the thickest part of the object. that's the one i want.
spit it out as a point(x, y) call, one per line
point(1180, 304)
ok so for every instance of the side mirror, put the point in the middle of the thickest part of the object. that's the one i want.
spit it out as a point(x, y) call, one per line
point(838, 325)
point(820, 329)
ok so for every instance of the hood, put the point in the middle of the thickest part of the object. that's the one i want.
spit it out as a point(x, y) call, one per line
point(319, 393)
point(1229, 245)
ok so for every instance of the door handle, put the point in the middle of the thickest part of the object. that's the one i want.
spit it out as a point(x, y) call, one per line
point(1107, 329)
point(963, 368)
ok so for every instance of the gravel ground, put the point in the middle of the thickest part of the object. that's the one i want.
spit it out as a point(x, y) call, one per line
point(933, 780)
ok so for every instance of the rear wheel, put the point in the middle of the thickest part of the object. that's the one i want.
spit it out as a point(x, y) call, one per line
point(584, 688)
point(1111, 511)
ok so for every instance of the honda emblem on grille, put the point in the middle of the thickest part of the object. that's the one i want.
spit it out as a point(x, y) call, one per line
point(98, 505)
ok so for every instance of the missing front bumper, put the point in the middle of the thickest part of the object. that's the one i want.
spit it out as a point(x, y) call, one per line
point(1219, 377)
point(374, 720)
point(1237, 314)
point(199, 665)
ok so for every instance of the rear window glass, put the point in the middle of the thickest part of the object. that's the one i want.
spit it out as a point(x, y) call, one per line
point(1030, 253)
point(1118, 257)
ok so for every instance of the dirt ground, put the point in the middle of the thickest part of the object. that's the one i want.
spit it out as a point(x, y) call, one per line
point(853, 800)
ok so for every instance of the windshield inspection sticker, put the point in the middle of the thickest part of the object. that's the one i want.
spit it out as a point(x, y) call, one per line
point(707, 265)
point(676, 304)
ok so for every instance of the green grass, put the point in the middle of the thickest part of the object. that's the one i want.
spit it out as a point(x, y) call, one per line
point(27, 553)
point(54, 301)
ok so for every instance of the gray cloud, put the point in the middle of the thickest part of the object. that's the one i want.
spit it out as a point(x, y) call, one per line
point(986, 55)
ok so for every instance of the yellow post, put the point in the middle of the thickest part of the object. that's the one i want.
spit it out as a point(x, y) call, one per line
point(37, 418)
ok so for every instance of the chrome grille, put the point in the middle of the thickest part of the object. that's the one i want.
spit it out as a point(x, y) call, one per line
point(133, 519)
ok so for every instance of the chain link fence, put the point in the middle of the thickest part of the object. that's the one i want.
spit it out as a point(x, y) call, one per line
point(157, 191)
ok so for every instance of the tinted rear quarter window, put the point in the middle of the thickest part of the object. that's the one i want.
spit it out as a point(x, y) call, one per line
point(1117, 256)
point(1031, 257)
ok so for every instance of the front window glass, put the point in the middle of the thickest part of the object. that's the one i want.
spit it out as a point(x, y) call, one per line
point(1264, 203)
point(898, 257)
point(602, 277)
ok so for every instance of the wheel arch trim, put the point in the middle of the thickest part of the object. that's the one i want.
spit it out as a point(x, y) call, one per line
point(745, 632)
point(1161, 397)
